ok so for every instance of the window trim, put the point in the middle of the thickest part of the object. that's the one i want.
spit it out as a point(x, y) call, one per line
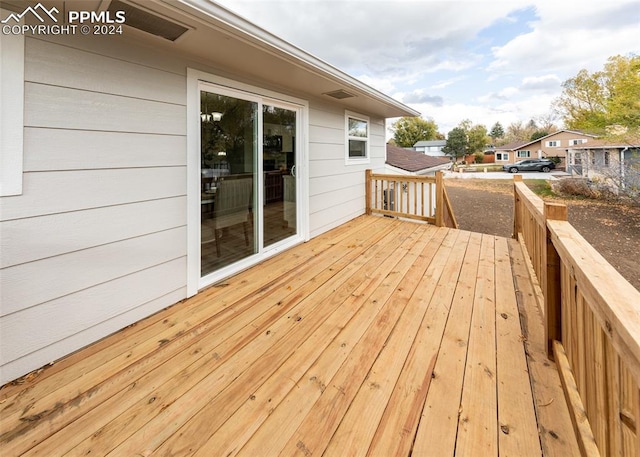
point(367, 140)
point(556, 144)
point(502, 156)
point(528, 156)
point(11, 112)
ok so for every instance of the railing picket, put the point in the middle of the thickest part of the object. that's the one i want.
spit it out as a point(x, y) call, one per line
point(590, 309)
point(396, 194)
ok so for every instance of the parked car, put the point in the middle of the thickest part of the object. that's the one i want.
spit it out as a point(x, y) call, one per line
point(530, 165)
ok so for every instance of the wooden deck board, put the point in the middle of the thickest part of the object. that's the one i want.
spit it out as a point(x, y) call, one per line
point(378, 338)
point(555, 429)
point(438, 425)
point(477, 426)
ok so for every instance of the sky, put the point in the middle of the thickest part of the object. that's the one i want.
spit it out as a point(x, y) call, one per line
point(486, 61)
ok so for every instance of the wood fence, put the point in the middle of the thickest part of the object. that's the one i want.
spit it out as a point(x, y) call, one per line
point(592, 323)
point(421, 198)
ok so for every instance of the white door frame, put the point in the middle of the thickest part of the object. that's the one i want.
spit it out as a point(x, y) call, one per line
point(196, 80)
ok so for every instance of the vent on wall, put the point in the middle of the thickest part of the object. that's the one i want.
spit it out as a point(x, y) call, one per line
point(339, 94)
point(147, 22)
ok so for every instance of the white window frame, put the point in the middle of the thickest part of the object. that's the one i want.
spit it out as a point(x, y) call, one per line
point(11, 112)
point(367, 140)
point(525, 151)
point(195, 80)
point(576, 142)
point(553, 144)
point(502, 156)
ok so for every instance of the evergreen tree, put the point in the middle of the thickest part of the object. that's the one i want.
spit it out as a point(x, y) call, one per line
point(496, 131)
point(457, 143)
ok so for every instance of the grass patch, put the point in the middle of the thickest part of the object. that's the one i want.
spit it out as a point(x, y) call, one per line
point(540, 187)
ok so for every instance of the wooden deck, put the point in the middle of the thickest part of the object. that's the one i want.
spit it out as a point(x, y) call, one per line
point(381, 338)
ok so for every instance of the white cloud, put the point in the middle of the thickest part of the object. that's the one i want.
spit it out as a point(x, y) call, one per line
point(569, 36)
point(545, 83)
point(455, 60)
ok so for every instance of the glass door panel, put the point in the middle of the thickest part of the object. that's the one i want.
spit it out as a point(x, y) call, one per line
point(279, 167)
point(228, 163)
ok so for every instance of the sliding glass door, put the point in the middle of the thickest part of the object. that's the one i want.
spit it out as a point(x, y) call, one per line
point(248, 181)
point(279, 171)
point(228, 168)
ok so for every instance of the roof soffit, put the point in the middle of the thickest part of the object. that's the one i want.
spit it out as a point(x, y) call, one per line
point(219, 38)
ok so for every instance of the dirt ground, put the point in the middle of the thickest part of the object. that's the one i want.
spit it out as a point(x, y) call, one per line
point(486, 206)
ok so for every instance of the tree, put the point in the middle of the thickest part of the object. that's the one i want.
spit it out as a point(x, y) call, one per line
point(593, 101)
point(518, 131)
point(407, 131)
point(623, 103)
point(538, 134)
point(457, 143)
point(547, 122)
point(477, 139)
point(496, 131)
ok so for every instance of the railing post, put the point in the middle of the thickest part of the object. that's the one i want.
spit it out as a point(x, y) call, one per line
point(439, 199)
point(367, 192)
point(516, 207)
point(551, 281)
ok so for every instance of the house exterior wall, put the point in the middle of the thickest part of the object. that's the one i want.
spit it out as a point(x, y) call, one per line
point(604, 166)
point(337, 189)
point(435, 151)
point(97, 239)
point(563, 140)
point(542, 149)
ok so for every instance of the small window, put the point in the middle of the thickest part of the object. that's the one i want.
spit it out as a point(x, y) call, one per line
point(576, 142)
point(553, 144)
point(357, 141)
point(607, 158)
point(502, 156)
point(524, 154)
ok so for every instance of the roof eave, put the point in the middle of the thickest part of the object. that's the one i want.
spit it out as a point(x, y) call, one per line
point(271, 43)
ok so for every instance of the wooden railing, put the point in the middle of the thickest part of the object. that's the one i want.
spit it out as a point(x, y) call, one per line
point(592, 323)
point(421, 198)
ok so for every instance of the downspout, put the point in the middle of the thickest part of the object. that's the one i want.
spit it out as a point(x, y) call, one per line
point(622, 183)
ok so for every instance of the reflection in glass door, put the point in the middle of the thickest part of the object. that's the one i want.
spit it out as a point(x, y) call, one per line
point(228, 164)
point(279, 168)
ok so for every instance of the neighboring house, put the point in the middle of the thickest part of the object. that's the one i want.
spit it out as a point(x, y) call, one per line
point(553, 145)
point(119, 150)
point(408, 162)
point(506, 153)
point(615, 162)
point(431, 148)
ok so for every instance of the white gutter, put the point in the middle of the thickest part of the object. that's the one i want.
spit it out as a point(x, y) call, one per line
point(251, 32)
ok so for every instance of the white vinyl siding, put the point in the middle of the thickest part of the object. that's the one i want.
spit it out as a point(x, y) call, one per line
point(97, 239)
point(336, 190)
point(11, 112)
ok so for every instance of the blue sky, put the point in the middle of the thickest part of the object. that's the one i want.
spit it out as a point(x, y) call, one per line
point(487, 61)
